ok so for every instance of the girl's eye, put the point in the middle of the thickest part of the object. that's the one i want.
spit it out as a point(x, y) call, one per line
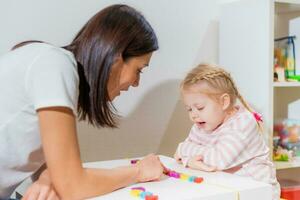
point(189, 109)
point(139, 71)
point(200, 108)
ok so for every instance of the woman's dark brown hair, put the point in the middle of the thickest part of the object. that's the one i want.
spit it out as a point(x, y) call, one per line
point(114, 31)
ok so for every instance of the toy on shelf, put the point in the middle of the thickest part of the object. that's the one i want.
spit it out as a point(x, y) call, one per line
point(279, 73)
point(285, 59)
point(283, 154)
point(142, 193)
point(286, 140)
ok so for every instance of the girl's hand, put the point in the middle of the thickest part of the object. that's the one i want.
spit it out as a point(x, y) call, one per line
point(41, 189)
point(177, 157)
point(150, 168)
point(196, 162)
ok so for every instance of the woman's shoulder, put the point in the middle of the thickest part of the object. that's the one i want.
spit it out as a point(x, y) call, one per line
point(49, 50)
point(39, 50)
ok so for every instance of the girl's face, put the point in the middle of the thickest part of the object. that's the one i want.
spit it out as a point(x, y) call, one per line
point(206, 112)
point(126, 74)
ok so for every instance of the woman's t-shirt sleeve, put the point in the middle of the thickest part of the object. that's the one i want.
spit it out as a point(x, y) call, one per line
point(52, 80)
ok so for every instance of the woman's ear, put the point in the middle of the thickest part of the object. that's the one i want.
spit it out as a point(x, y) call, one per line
point(225, 101)
point(118, 62)
point(119, 59)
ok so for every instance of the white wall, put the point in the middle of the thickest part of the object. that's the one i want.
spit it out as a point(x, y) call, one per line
point(153, 117)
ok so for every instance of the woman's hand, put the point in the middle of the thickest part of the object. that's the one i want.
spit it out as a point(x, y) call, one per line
point(196, 162)
point(177, 157)
point(41, 189)
point(150, 168)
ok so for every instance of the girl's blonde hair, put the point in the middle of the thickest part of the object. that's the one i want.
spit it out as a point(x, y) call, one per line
point(218, 79)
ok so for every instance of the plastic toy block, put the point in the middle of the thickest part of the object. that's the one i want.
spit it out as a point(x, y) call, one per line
point(153, 197)
point(192, 178)
point(174, 174)
point(139, 188)
point(144, 194)
point(184, 177)
point(135, 193)
point(198, 180)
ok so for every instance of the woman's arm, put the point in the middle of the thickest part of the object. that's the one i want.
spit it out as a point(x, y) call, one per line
point(70, 179)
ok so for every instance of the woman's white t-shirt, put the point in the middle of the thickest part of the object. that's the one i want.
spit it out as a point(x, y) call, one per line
point(34, 76)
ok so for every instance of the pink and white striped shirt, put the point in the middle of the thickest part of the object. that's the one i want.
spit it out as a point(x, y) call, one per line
point(237, 143)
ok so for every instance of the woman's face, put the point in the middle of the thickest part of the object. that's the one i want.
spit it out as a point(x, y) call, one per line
point(126, 73)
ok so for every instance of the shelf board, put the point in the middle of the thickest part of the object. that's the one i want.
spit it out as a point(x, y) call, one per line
point(288, 1)
point(287, 165)
point(286, 84)
point(287, 6)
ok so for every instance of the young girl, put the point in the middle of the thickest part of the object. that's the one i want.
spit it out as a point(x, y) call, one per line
point(224, 136)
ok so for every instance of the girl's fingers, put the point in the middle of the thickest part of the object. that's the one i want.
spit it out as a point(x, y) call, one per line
point(198, 158)
point(206, 167)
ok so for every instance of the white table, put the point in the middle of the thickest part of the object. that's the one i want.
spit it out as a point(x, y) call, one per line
point(216, 185)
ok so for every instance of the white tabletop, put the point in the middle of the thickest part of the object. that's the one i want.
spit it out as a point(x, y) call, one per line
point(216, 185)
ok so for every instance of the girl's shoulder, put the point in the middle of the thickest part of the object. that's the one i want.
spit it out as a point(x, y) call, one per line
point(242, 120)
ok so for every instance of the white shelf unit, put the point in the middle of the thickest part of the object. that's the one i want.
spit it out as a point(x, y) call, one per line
point(247, 32)
point(287, 165)
point(286, 84)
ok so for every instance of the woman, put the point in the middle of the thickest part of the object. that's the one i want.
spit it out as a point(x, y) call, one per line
point(43, 87)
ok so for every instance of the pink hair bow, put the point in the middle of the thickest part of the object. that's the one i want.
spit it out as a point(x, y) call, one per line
point(258, 117)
